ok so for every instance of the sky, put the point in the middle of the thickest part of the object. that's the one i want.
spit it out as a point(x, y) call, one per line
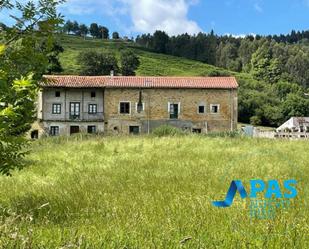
point(235, 17)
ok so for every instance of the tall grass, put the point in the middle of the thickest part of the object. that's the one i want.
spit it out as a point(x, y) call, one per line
point(150, 192)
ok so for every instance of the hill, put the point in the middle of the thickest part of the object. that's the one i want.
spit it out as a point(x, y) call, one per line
point(152, 64)
point(260, 102)
point(148, 192)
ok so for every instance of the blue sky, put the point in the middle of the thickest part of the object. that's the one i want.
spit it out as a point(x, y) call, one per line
point(236, 17)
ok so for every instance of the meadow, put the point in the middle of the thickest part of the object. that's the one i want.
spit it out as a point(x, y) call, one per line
point(150, 192)
point(152, 64)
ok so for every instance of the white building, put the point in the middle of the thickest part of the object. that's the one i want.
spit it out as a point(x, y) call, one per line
point(295, 124)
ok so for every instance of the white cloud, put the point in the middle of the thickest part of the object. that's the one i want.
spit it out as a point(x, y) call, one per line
point(240, 35)
point(146, 16)
point(168, 15)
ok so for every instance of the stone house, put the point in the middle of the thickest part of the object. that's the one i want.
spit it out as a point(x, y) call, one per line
point(133, 105)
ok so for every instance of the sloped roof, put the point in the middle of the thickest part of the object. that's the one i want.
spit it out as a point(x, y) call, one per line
point(294, 122)
point(300, 121)
point(139, 81)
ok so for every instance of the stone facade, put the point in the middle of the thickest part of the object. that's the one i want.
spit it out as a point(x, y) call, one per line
point(114, 110)
point(63, 118)
point(156, 109)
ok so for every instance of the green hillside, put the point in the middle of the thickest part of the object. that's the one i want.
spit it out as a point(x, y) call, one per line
point(260, 102)
point(151, 63)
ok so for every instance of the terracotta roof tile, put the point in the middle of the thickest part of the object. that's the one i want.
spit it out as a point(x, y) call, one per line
point(139, 81)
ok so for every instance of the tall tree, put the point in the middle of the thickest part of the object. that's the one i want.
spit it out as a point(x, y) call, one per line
point(68, 27)
point(95, 63)
point(75, 28)
point(103, 32)
point(83, 30)
point(129, 63)
point(160, 41)
point(23, 61)
point(54, 65)
point(94, 30)
point(115, 35)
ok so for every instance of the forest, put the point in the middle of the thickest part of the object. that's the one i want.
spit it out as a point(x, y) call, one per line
point(277, 68)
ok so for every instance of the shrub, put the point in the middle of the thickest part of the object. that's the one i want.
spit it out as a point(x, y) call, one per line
point(231, 134)
point(218, 73)
point(167, 130)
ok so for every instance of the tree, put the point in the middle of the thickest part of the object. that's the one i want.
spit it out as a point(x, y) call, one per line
point(54, 65)
point(95, 63)
point(3, 27)
point(129, 63)
point(103, 32)
point(68, 27)
point(264, 67)
point(83, 30)
point(94, 30)
point(295, 106)
point(23, 61)
point(115, 35)
point(160, 40)
point(75, 28)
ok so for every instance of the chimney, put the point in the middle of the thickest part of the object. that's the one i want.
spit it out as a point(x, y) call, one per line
point(112, 73)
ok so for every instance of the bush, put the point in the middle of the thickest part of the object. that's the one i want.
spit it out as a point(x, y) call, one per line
point(231, 134)
point(167, 130)
point(218, 73)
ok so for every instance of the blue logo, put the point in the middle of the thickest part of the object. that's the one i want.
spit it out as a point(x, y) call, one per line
point(274, 196)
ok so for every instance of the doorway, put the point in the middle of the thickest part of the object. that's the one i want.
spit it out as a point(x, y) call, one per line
point(134, 130)
point(74, 129)
point(35, 134)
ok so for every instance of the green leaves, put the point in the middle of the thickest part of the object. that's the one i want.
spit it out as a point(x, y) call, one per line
point(97, 63)
point(24, 59)
point(23, 84)
point(129, 62)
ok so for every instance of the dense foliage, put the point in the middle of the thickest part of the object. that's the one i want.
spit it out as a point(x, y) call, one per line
point(94, 63)
point(129, 62)
point(279, 66)
point(265, 57)
point(26, 52)
point(95, 30)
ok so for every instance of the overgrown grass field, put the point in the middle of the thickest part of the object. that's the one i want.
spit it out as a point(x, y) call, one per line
point(150, 192)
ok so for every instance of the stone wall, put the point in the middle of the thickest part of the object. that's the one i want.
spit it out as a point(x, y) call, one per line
point(66, 97)
point(156, 109)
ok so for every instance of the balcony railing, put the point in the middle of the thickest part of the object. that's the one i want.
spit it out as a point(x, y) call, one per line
point(82, 116)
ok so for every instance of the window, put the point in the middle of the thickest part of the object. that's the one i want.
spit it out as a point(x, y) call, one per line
point(74, 110)
point(124, 108)
point(54, 131)
point(136, 107)
point(92, 129)
point(57, 94)
point(56, 109)
point(92, 108)
point(174, 110)
point(74, 129)
point(92, 94)
point(201, 109)
point(195, 130)
point(214, 108)
point(134, 130)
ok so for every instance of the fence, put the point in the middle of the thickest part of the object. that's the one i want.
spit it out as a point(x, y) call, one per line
point(280, 135)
